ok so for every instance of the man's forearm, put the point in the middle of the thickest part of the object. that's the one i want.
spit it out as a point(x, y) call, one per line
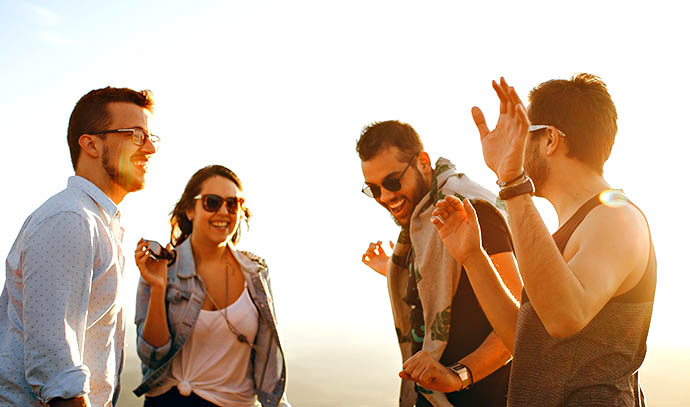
point(490, 356)
point(499, 306)
point(551, 286)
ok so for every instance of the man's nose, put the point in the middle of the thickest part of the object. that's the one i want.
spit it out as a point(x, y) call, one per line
point(149, 147)
point(386, 195)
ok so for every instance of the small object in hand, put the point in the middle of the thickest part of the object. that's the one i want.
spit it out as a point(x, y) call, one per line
point(158, 252)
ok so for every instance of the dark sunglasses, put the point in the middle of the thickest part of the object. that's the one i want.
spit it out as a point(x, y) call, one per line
point(390, 183)
point(158, 252)
point(213, 202)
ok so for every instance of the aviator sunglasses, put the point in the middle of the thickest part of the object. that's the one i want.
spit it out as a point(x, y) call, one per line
point(390, 183)
point(213, 202)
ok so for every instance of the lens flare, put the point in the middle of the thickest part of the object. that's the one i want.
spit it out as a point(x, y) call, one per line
point(613, 198)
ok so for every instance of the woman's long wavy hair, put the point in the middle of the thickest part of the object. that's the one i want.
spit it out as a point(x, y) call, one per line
point(181, 226)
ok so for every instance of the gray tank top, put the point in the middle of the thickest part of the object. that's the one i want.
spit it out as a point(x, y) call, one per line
point(598, 365)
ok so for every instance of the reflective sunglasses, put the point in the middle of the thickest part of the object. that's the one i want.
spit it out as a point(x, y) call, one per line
point(138, 135)
point(213, 202)
point(390, 183)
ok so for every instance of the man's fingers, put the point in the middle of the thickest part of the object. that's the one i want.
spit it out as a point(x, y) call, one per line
point(469, 210)
point(502, 95)
point(453, 201)
point(479, 120)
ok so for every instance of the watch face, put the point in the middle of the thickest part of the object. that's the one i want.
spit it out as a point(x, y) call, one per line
point(463, 374)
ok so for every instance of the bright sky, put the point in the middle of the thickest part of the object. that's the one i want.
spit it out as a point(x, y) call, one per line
point(279, 91)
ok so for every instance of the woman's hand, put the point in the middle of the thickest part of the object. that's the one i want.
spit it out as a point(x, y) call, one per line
point(376, 258)
point(154, 272)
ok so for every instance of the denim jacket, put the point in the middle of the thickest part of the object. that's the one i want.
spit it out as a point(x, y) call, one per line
point(184, 297)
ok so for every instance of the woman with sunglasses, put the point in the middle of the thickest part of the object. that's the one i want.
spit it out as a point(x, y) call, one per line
point(206, 330)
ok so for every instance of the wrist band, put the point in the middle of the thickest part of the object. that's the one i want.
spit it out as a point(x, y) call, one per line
point(512, 181)
point(525, 187)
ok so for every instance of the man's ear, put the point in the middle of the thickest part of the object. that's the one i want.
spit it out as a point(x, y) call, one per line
point(424, 160)
point(91, 145)
point(553, 141)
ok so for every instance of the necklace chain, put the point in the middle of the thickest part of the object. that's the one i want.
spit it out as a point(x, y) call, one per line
point(224, 311)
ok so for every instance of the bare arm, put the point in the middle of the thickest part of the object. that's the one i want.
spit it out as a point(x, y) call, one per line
point(608, 251)
point(495, 280)
point(493, 353)
point(607, 255)
point(428, 372)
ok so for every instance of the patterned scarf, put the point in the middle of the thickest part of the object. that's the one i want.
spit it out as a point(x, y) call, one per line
point(419, 256)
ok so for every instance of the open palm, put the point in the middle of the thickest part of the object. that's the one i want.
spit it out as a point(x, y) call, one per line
point(457, 225)
point(504, 146)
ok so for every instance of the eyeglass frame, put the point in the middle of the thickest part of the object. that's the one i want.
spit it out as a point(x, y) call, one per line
point(368, 191)
point(237, 204)
point(147, 136)
point(536, 127)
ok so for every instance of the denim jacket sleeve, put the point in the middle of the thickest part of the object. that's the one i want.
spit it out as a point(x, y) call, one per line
point(150, 355)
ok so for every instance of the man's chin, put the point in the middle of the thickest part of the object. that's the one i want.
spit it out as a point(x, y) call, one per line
point(132, 184)
point(399, 222)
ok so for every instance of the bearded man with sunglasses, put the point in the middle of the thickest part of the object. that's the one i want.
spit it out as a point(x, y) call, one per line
point(61, 318)
point(435, 311)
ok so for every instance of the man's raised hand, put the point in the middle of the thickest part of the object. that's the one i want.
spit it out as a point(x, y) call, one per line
point(504, 146)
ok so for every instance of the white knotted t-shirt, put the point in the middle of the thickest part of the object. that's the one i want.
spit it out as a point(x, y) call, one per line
point(213, 363)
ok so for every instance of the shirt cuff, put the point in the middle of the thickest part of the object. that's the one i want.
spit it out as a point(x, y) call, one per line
point(67, 384)
point(151, 355)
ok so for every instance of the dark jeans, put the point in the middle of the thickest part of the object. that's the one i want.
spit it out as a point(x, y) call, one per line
point(173, 398)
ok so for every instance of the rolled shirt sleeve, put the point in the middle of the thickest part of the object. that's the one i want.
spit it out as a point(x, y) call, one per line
point(57, 274)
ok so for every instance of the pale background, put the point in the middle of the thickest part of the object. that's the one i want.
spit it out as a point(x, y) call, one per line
point(279, 92)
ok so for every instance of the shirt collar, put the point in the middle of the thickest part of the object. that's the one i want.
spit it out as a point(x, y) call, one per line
point(95, 193)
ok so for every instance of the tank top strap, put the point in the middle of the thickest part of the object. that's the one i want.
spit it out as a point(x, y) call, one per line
point(563, 234)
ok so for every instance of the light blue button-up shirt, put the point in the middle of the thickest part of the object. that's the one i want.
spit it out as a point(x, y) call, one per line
point(61, 321)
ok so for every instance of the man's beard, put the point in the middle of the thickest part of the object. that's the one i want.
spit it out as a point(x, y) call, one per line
point(419, 191)
point(116, 175)
point(535, 166)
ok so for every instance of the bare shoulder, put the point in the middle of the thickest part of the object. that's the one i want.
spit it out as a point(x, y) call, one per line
point(616, 237)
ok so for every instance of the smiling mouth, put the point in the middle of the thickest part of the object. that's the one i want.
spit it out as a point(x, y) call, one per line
point(396, 206)
point(141, 164)
point(220, 225)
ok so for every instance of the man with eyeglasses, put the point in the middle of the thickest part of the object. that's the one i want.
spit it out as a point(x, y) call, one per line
point(578, 336)
point(435, 312)
point(61, 318)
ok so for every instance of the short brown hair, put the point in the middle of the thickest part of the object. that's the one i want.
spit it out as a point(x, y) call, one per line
point(380, 135)
point(582, 109)
point(90, 114)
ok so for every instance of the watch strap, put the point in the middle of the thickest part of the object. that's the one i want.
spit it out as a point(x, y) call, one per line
point(464, 373)
point(525, 187)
